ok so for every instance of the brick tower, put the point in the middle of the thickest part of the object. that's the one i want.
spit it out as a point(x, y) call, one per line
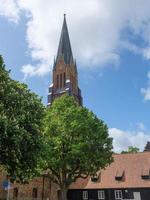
point(65, 75)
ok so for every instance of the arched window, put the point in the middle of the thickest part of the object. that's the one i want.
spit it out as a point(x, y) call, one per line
point(60, 80)
point(57, 84)
point(64, 79)
point(15, 193)
point(34, 193)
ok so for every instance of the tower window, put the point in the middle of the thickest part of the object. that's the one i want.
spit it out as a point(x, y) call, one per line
point(34, 193)
point(64, 79)
point(57, 84)
point(60, 80)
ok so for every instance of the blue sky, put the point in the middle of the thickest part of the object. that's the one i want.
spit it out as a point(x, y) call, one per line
point(111, 44)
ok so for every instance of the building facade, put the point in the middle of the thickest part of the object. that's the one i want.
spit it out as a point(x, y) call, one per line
point(40, 188)
point(127, 178)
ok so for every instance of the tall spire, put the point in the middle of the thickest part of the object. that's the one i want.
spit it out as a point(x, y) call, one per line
point(65, 76)
point(64, 49)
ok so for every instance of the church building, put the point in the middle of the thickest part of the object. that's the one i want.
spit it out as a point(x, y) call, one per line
point(65, 74)
point(127, 178)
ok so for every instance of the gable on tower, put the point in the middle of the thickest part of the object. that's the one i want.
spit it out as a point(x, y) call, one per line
point(65, 75)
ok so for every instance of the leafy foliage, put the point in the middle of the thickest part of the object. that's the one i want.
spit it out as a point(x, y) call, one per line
point(131, 149)
point(21, 114)
point(77, 142)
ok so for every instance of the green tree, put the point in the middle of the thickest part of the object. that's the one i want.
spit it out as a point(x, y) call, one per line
point(131, 149)
point(77, 143)
point(21, 116)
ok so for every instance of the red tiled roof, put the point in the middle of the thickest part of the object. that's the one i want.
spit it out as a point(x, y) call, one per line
point(133, 165)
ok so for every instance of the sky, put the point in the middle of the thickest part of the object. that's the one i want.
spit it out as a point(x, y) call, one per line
point(111, 43)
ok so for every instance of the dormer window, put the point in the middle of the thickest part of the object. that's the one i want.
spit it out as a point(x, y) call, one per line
point(145, 174)
point(95, 177)
point(120, 175)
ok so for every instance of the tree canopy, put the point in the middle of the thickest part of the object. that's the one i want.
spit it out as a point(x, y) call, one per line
point(131, 149)
point(77, 143)
point(21, 115)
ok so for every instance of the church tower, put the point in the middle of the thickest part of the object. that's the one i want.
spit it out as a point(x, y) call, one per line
point(65, 75)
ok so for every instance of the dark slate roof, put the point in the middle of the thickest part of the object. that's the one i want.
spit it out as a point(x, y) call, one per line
point(64, 49)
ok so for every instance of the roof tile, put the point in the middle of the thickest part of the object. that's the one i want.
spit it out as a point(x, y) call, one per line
point(132, 164)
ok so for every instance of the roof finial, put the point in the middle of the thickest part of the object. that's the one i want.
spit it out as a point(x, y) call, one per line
point(64, 14)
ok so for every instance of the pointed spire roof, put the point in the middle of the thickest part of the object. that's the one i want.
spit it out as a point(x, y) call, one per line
point(64, 49)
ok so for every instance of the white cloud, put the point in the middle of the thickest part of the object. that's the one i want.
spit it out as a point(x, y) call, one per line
point(96, 29)
point(39, 69)
point(123, 139)
point(9, 9)
point(146, 91)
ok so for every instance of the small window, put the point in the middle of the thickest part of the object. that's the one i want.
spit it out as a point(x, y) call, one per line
point(34, 193)
point(118, 194)
point(85, 195)
point(101, 194)
point(15, 193)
